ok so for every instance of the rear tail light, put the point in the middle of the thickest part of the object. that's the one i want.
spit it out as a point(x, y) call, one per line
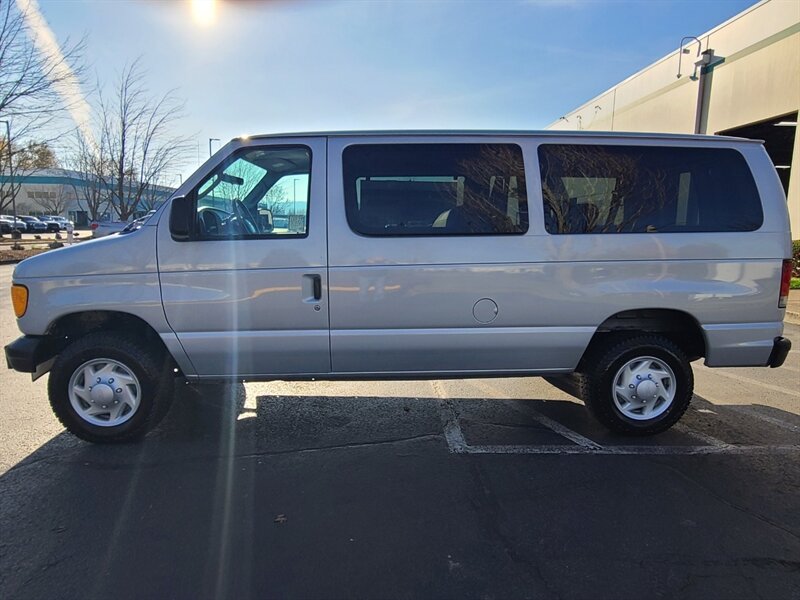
point(786, 278)
point(94, 226)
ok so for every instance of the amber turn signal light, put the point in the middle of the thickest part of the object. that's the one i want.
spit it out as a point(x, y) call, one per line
point(19, 298)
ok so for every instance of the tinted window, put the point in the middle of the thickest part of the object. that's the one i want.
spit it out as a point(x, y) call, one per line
point(435, 189)
point(638, 189)
point(256, 192)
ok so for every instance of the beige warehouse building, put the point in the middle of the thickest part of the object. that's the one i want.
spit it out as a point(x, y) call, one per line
point(742, 78)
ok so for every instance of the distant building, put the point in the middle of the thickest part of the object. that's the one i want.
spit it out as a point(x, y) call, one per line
point(40, 188)
point(747, 85)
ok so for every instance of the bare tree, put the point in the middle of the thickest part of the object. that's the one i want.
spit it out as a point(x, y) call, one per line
point(153, 195)
point(276, 200)
point(53, 203)
point(29, 84)
point(94, 168)
point(138, 133)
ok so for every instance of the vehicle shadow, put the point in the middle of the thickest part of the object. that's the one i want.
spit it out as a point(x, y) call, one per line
point(320, 496)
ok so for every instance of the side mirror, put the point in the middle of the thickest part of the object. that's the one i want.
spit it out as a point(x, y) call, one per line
point(180, 219)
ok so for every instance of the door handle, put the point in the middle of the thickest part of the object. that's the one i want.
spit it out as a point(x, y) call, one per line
point(312, 288)
point(317, 283)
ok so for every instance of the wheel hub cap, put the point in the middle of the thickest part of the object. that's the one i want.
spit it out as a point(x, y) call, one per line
point(104, 392)
point(101, 393)
point(644, 388)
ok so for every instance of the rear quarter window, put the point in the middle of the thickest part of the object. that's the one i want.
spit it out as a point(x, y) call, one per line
point(646, 189)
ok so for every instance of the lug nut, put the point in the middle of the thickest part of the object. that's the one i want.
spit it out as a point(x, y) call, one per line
point(630, 386)
point(98, 380)
point(119, 390)
point(111, 380)
point(104, 406)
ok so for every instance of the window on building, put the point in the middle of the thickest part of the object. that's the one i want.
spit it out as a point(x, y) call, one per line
point(435, 189)
point(646, 189)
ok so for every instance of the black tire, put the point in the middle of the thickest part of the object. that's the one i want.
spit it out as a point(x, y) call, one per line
point(152, 368)
point(601, 366)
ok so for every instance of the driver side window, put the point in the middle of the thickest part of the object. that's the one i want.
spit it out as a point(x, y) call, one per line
point(256, 192)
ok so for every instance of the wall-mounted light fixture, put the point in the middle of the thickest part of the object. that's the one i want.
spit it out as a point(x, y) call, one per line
point(682, 51)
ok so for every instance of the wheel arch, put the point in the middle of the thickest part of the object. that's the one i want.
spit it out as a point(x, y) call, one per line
point(73, 326)
point(679, 326)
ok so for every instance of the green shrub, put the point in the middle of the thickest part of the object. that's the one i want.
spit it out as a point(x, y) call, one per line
point(796, 258)
point(794, 283)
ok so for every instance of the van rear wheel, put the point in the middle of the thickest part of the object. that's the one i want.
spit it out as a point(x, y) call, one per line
point(109, 387)
point(640, 385)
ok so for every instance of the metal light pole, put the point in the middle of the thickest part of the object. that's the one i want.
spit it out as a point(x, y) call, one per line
point(209, 145)
point(13, 195)
point(294, 196)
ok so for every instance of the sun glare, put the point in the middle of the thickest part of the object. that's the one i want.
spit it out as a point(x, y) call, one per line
point(204, 11)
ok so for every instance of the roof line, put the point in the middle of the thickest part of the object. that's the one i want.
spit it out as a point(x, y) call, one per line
point(490, 132)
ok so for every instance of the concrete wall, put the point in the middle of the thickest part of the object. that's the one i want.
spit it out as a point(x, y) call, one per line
point(756, 77)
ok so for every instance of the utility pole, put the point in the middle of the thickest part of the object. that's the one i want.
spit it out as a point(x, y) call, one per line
point(15, 234)
point(209, 145)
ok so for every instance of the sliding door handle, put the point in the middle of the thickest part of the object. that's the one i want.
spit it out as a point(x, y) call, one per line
point(317, 283)
point(311, 288)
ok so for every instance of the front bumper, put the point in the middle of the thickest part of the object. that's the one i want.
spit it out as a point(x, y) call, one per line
point(33, 354)
point(780, 349)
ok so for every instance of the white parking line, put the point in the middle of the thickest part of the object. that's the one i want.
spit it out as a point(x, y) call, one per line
point(457, 443)
point(566, 432)
point(768, 386)
point(747, 411)
point(752, 412)
point(708, 439)
point(631, 450)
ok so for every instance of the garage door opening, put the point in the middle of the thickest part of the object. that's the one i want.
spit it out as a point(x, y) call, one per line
point(778, 135)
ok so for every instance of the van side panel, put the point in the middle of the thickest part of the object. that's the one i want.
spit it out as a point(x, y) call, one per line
point(406, 303)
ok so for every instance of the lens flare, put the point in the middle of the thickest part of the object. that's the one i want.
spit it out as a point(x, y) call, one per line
point(204, 11)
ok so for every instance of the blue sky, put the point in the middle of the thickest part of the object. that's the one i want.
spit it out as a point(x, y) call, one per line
point(287, 66)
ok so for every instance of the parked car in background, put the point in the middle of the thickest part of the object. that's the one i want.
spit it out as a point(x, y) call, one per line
point(62, 221)
point(20, 224)
point(104, 228)
point(52, 226)
point(137, 223)
point(34, 224)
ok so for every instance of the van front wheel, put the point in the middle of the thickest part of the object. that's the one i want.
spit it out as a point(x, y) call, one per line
point(641, 385)
point(110, 387)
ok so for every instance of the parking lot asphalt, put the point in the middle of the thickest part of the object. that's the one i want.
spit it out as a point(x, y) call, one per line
point(500, 488)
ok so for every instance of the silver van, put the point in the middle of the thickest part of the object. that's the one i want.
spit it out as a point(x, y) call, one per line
point(612, 260)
